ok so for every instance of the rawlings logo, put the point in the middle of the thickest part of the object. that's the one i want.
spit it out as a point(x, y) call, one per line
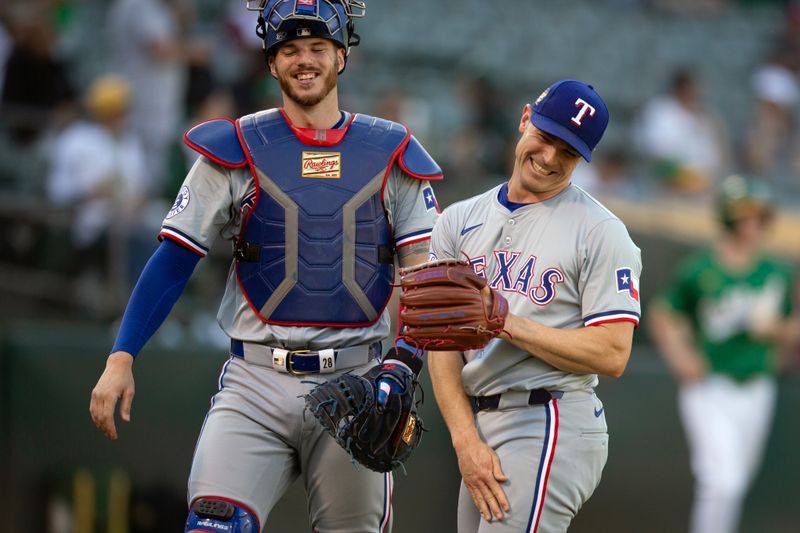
point(442, 315)
point(429, 275)
point(408, 432)
point(219, 526)
point(322, 165)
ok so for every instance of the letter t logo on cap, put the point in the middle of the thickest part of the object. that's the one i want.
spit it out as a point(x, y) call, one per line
point(572, 111)
point(585, 108)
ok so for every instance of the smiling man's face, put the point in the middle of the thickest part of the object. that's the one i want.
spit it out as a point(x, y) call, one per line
point(306, 69)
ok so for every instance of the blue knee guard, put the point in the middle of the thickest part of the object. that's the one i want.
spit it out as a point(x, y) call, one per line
point(212, 515)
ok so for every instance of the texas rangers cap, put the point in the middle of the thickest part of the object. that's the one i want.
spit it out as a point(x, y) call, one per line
point(572, 111)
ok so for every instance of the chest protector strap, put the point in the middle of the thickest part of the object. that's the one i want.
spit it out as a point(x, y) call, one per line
point(316, 248)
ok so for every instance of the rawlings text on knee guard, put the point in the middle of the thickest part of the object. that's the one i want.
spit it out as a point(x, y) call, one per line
point(220, 516)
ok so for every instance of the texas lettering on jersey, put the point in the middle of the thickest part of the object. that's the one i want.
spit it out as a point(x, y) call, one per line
point(513, 275)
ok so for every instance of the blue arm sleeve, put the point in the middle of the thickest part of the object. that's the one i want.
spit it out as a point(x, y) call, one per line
point(160, 285)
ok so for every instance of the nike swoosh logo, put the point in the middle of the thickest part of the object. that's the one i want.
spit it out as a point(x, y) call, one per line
point(597, 412)
point(467, 230)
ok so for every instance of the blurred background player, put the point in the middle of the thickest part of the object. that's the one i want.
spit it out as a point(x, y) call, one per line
point(317, 203)
point(721, 328)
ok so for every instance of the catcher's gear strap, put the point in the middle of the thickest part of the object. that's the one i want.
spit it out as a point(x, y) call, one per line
point(218, 515)
point(217, 140)
point(160, 285)
point(418, 163)
point(404, 353)
point(305, 361)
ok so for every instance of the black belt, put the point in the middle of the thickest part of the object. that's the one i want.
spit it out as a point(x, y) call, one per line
point(536, 397)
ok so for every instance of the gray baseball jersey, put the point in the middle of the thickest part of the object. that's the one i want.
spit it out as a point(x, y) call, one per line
point(565, 262)
point(213, 202)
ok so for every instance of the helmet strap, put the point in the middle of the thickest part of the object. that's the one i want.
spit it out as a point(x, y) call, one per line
point(353, 40)
point(261, 32)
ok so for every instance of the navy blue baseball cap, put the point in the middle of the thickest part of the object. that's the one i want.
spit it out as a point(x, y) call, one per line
point(572, 111)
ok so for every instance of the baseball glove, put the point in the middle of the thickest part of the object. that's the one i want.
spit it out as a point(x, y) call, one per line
point(446, 306)
point(377, 429)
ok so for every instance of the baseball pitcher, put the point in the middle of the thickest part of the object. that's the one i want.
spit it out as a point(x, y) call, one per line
point(560, 292)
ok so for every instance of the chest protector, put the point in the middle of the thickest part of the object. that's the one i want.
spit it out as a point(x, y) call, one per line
point(316, 247)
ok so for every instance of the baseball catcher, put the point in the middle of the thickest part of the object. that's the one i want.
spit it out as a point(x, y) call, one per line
point(445, 305)
point(373, 416)
point(318, 204)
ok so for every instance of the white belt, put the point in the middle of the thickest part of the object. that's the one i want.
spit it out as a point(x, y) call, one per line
point(306, 361)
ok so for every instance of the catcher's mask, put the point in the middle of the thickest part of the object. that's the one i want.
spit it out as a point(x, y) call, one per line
point(280, 21)
point(740, 197)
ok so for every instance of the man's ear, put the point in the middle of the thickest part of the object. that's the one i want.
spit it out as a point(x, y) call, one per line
point(341, 58)
point(271, 65)
point(525, 119)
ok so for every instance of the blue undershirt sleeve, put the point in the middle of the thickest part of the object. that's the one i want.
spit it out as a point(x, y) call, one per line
point(160, 285)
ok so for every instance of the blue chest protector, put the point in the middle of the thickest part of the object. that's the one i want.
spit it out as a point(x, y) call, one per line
point(316, 248)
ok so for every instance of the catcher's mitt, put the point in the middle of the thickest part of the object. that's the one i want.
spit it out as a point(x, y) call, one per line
point(446, 306)
point(380, 433)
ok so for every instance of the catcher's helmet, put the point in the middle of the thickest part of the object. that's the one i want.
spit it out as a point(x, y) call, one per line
point(280, 21)
point(740, 196)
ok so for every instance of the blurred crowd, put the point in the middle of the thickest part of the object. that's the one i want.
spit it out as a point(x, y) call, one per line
point(95, 96)
point(93, 101)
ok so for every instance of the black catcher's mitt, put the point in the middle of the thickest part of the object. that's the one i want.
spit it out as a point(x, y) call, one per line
point(378, 430)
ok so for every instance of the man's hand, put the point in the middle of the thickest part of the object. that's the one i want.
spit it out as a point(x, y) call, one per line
point(482, 473)
point(116, 382)
point(674, 338)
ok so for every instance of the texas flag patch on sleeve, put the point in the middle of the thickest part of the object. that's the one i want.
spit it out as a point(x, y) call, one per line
point(626, 282)
point(430, 199)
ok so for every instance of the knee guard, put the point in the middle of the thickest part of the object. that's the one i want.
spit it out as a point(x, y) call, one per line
point(213, 515)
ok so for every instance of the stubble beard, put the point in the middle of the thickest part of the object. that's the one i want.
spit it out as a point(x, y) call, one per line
point(308, 100)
